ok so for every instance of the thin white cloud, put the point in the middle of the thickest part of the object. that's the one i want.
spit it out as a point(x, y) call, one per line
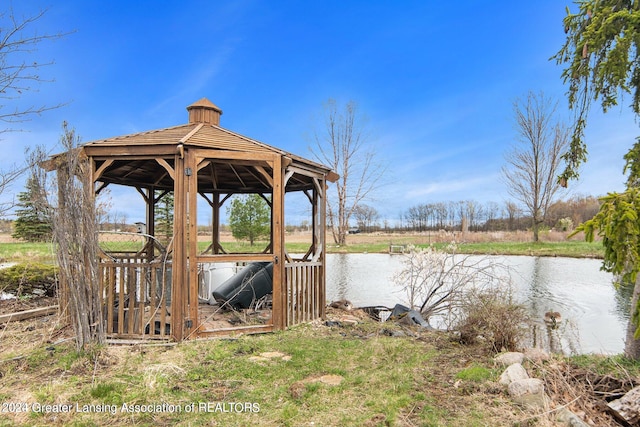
point(445, 189)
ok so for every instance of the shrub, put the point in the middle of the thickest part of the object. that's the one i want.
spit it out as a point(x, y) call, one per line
point(437, 282)
point(29, 279)
point(492, 315)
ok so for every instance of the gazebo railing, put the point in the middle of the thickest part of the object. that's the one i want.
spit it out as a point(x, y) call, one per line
point(136, 293)
point(304, 293)
point(136, 297)
point(135, 286)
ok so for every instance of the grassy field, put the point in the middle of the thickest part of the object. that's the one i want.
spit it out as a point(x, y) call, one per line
point(572, 248)
point(20, 251)
point(513, 244)
point(309, 375)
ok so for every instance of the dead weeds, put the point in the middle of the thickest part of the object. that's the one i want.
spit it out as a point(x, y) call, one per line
point(584, 391)
point(18, 338)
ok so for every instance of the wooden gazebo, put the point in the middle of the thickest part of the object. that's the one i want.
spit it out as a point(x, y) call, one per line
point(153, 293)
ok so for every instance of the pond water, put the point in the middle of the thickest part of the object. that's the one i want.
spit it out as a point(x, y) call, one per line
point(594, 312)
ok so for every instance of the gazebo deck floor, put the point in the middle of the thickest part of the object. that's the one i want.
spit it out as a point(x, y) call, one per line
point(213, 318)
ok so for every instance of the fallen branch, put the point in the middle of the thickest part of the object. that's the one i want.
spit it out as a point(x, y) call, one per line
point(28, 314)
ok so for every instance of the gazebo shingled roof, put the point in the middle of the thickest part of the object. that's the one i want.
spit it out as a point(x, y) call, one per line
point(203, 133)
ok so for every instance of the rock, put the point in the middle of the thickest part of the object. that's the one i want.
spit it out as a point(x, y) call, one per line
point(514, 372)
point(331, 379)
point(627, 408)
point(509, 358)
point(526, 386)
point(393, 333)
point(569, 418)
point(533, 401)
point(269, 355)
point(343, 304)
point(536, 355)
point(528, 392)
point(349, 320)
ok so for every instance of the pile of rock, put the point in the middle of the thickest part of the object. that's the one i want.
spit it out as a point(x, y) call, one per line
point(528, 391)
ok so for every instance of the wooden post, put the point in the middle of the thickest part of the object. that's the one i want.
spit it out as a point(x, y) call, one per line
point(323, 245)
point(178, 282)
point(277, 227)
point(215, 224)
point(191, 176)
point(150, 220)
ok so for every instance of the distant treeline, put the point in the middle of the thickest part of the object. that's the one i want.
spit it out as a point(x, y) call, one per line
point(469, 215)
point(466, 215)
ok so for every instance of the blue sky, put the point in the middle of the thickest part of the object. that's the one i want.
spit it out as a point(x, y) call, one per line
point(437, 81)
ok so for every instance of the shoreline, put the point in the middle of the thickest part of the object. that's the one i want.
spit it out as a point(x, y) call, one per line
point(569, 249)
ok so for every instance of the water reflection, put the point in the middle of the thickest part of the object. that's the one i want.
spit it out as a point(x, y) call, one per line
point(364, 279)
point(623, 294)
point(540, 290)
point(594, 312)
point(585, 295)
point(341, 279)
point(563, 339)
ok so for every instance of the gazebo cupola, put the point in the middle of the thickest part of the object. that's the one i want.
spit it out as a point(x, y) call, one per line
point(204, 111)
point(147, 294)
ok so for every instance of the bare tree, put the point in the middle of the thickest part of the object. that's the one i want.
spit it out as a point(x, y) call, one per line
point(472, 212)
point(418, 217)
point(491, 210)
point(366, 216)
point(440, 214)
point(342, 145)
point(513, 214)
point(104, 203)
point(534, 164)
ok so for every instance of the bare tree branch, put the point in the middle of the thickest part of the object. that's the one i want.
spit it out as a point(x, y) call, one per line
point(19, 73)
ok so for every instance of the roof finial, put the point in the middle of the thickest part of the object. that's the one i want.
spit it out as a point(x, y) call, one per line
point(204, 111)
